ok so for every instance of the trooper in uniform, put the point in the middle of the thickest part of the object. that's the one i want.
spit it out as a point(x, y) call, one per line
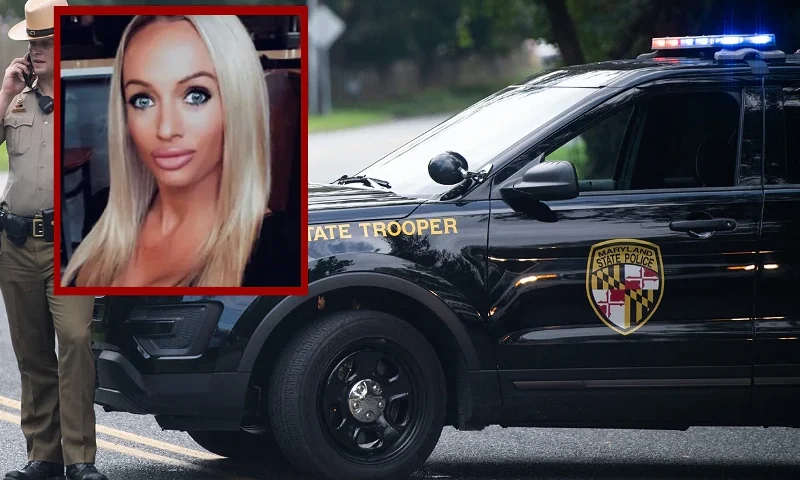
point(57, 417)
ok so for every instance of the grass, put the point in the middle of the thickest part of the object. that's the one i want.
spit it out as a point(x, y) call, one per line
point(429, 102)
point(345, 118)
point(3, 159)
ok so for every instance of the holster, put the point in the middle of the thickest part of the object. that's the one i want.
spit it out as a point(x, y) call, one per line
point(16, 228)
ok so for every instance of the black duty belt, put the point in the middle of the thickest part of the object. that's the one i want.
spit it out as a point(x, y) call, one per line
point(19, 228)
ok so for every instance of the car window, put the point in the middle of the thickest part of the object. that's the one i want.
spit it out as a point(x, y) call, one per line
point(479, 133)
point(84, 143)
point(595, 152)
point(681, 140)
point(791, 116)
point(782, 150)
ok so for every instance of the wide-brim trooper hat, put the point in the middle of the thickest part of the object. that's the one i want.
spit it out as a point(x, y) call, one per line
point(39, 20)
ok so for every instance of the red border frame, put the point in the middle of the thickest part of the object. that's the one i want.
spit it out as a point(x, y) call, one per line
point(302, 13)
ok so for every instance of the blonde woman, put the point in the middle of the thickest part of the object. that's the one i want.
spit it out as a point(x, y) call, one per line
point(189, 163)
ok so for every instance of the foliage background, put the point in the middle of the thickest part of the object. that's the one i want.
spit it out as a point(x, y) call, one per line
point(474, 34)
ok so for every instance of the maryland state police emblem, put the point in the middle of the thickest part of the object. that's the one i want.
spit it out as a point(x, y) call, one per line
point(625, 282)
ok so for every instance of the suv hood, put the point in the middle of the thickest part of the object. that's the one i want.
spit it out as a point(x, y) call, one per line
point(329, 202)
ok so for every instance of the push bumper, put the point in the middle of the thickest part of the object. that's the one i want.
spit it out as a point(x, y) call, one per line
point(178, 397)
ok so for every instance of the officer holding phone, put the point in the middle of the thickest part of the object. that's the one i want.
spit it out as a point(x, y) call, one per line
point(57, 415)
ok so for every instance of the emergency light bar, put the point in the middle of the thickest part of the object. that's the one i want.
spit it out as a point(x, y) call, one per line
point(711, 41)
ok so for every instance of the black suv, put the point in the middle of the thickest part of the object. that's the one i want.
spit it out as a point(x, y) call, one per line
point(608, 245)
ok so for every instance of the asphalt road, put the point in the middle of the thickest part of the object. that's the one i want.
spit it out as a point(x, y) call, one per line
point(134, 447)
point(337, 153)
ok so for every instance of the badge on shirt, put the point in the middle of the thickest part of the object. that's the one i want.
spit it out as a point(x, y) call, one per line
point(19, 108)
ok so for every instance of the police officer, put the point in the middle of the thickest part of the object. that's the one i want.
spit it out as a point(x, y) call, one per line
point(57, 417)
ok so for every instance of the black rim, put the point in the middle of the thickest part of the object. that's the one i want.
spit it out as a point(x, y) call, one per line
point(389, 432)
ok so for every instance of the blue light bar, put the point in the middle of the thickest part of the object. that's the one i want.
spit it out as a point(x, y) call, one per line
point(710, 41)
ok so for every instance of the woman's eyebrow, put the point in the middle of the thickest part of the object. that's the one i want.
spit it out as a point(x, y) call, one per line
point(134, 81)
point(201, 73)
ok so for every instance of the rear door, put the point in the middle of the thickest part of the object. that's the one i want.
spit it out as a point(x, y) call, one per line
point(777, 311)
point(632, 304)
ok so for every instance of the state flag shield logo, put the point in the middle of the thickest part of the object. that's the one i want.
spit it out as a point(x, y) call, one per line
point(625, 282)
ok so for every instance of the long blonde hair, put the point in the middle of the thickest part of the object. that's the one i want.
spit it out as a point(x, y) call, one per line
point(245, 182)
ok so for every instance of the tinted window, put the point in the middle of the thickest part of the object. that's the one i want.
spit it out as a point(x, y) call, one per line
point(595, 152)
point(791, 115)
point(683, 140)
point(782, 159)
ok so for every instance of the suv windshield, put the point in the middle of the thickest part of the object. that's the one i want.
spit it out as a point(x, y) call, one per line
point(479, 133)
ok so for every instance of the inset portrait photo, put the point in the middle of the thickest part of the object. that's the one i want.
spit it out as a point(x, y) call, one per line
point(182, 165)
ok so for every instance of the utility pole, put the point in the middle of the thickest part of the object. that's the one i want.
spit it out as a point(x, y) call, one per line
point(324, 28)
point(324, 79)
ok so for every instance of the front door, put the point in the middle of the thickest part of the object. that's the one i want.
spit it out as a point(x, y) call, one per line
point(644, 283)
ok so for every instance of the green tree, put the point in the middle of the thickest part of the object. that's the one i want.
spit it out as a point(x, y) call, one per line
point(614, 29)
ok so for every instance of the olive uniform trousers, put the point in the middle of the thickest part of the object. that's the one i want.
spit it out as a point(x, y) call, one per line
point(58, 418)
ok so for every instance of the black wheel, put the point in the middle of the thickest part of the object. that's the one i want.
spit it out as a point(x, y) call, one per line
point(358, 395)
point(241, 446)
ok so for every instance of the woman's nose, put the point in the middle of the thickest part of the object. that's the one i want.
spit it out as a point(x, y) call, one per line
point(169, 123)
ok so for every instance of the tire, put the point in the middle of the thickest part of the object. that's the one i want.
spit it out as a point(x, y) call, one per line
point(241, 446)
point(305, 397)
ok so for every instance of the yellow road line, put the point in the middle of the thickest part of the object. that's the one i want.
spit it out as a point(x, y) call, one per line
point(7, 417)
point(132, 437)
point(10, 403)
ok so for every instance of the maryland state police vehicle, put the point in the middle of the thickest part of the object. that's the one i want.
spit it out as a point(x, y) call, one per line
point(608, 245)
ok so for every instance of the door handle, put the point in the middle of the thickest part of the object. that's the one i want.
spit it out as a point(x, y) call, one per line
point(703, 226)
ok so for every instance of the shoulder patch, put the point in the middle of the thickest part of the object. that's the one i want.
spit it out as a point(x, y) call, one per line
point(625, 282)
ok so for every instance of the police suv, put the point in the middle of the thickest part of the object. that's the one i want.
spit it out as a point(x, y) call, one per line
point(612, 245)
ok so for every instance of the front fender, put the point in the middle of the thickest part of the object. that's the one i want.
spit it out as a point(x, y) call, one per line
point(437, 295)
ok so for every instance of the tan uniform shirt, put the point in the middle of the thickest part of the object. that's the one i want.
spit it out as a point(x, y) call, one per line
point(28, 135)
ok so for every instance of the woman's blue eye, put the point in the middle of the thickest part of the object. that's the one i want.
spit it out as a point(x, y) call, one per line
point(141, 102)
point(197, 97)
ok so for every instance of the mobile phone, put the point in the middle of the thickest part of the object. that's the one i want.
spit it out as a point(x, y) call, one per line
point(29, 77)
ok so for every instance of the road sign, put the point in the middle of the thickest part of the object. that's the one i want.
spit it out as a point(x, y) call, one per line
point(324, 27)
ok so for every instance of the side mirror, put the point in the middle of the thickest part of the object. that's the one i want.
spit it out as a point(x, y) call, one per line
point(448, 168)
point(545, 181)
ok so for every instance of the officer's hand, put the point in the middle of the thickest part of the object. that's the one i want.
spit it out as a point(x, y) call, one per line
point(13, 81)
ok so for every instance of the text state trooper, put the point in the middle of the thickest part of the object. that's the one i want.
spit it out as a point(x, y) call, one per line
point(57, 416)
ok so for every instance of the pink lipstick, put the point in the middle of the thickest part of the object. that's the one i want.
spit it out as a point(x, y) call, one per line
point(172, 158)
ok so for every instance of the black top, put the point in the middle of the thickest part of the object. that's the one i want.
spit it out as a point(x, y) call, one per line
point(275, 261)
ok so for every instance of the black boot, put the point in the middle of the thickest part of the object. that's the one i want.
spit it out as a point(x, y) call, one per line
point(37, 470)
point(84, 471)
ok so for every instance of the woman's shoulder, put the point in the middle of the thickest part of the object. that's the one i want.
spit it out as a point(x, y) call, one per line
point(275, 258)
